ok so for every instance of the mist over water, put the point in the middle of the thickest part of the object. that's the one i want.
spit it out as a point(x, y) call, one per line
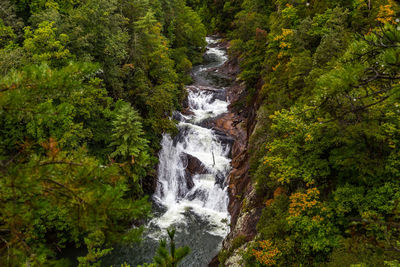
point(195, 204)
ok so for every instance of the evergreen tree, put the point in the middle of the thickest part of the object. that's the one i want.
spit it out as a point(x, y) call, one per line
point(86, 90)
point(171, 258)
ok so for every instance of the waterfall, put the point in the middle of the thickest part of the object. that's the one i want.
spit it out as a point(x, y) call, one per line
point(203, 193)
point(191, 194)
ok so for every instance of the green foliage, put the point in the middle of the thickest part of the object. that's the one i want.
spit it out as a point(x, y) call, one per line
point(69, 195)
point(127, 132)
point(9, 17)
point(216, 15)
point(88, 87)
point(322, 78)
point(330, 143)
point(44, 46)
point(7, 35)
point(55, 92)
point(86, 90)
point(94, 241)
point(171, 258)
point(128, 141)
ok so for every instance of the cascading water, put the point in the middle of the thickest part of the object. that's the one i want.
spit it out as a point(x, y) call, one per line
point(194, 201)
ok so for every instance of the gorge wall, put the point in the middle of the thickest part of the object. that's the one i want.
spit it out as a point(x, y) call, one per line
point(244, 206)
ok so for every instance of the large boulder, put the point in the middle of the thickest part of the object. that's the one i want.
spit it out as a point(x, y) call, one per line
point(207, 123)
point(194, 165)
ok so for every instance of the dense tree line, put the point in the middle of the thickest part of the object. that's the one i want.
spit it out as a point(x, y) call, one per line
point(87, 87)
point(324, 76)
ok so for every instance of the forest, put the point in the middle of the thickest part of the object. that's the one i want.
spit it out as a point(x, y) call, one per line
point(87, 88)
point(324, 78)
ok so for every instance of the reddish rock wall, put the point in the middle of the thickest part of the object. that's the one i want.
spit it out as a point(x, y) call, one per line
point(239, 124)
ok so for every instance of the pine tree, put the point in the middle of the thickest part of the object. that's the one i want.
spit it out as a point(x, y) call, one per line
point(174, 256)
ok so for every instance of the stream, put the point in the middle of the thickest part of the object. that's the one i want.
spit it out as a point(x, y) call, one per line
point(191, 194)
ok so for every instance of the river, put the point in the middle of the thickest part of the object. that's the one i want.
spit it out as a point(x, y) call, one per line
point(194, 203)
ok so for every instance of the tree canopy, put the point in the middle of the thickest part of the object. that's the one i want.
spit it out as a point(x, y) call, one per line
point(87, 88)
point(323, 77)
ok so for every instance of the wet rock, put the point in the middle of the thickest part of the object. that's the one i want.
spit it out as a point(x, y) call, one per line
point(230, 68)
point(224, 124)
point(207, 123)
point(218, 79)
point(183, 132)
point(227, 141)
point(185, 103)
point(199, 194)
point(194, 165)
point(177, 116)
point(220, 179)
point(214, 262)
point(161, 187)
point(186, 186)
point(223, 138)
point(189, 180)
point(220, 95)
point(187, 112)
point(210, 58)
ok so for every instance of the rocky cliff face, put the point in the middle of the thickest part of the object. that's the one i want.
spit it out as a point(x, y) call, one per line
point(244, 206)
